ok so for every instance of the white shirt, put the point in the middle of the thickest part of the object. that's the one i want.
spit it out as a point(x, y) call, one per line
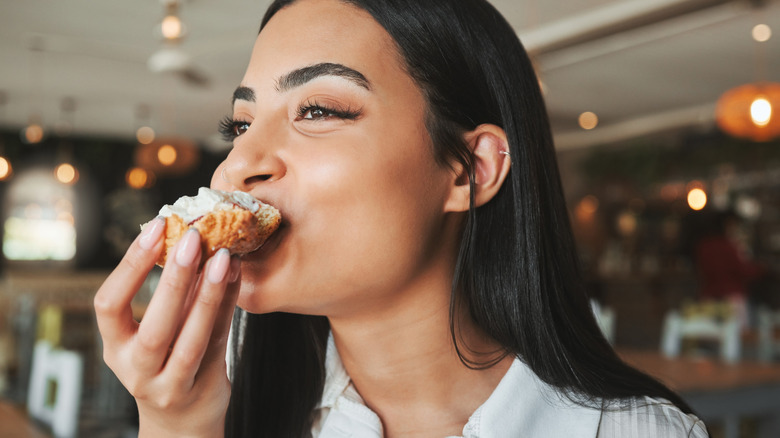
point(521, 406)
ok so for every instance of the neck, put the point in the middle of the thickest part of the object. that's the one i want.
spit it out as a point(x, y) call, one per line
point(405, 366)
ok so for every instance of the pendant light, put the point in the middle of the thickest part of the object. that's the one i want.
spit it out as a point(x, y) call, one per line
point(752, 111)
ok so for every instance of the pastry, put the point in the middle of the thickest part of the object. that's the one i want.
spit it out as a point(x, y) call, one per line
point(232, 220)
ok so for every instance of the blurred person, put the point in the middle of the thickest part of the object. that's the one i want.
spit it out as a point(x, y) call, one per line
point(424, 282)
point(724, 271)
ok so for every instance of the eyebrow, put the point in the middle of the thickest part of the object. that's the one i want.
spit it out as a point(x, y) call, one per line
point(244, 93)
point(302, 75)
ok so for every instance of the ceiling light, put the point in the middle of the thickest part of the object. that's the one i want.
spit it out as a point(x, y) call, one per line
point(171, 26)
point(762, 32)
point(588, 120)
point(749, 111)
point(760, 111)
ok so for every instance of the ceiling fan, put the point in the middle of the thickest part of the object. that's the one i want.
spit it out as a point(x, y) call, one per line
point(171, 58)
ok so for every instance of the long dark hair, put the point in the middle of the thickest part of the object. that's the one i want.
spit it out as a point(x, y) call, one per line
point(517, 270)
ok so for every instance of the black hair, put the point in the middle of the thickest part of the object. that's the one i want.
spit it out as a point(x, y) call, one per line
point(517, 270)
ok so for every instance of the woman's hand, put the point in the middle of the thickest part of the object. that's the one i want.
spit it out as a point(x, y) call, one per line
point(173, 361)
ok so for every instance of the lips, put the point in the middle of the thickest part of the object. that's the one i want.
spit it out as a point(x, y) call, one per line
point(270, 244)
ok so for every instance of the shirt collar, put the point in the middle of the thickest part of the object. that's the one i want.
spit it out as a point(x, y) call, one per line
point(336, 378)
point(524, 405)
point(521, 405)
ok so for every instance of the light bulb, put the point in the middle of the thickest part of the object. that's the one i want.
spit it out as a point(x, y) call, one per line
point(66, 173)
point(5, 168)
point(697, 199)
point(588, 120)
point(171, 27)
point(166, 155)
point(762, 32)
point(137, 178)
point(32, 133)
point(760, 111)
point(144, 135)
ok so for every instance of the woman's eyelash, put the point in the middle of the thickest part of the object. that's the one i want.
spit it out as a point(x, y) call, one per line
point(229, 128)
point(315, 111)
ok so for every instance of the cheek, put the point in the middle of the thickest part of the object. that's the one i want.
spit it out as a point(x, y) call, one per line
point(370, 208)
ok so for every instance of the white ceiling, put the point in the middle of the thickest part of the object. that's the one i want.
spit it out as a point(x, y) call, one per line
point(642, 66)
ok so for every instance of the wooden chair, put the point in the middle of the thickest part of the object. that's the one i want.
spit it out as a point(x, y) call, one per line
point(726, 331)
point(54, 395)
point(768, 325)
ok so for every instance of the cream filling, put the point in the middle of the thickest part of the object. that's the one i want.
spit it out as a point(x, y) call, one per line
point(190, 208)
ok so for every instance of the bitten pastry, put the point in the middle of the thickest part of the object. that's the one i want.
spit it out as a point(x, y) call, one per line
point(232, 220)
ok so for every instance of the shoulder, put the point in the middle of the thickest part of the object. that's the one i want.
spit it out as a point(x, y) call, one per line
point(646, 417)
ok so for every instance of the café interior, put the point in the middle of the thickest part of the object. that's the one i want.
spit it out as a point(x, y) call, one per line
point(665, 115)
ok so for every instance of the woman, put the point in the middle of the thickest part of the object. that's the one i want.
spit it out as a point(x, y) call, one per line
point(424, 281)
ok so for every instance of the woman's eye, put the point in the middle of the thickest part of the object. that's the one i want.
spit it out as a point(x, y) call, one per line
point(313, 112)
point(316, 113)
point(230, 129)
point(239, 128)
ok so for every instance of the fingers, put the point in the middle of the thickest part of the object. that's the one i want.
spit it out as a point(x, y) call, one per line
point(163, 315)
point(204, 328)
point(112, 300)
point(219, 336)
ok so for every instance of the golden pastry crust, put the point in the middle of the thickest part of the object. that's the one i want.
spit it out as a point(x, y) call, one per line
point(237, 229)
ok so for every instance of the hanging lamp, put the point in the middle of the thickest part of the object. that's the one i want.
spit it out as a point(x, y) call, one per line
point(752, 111)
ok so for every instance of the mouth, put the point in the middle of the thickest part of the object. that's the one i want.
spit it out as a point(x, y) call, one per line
point(270, 244)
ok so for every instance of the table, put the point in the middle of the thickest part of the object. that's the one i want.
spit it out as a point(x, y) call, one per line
point(719, 391)
point(16, 424)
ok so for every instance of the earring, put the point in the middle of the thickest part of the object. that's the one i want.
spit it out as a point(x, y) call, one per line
point(500, 152)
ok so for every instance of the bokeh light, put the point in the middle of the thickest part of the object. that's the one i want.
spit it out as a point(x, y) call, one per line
point(139, 178)
point(66, 173)
point(171, 27)
point(588, 120)
point(144, 135)
point(762, 32)
point(587, 208)
point(166, 154)
point(5, 168)
point(697, 199)
point(32, 134)
point(761, 111)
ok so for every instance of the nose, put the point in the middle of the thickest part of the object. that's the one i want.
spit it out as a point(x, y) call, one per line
point(251, 162)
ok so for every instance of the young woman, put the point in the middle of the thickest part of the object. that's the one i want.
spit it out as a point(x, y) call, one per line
point(424, 282)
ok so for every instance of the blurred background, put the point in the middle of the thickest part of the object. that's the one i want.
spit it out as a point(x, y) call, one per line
point(666, 117)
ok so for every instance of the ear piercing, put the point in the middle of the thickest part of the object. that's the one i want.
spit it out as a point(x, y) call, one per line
point(500, 152)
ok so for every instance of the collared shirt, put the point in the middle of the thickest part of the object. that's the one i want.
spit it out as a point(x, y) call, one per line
point(522, 405)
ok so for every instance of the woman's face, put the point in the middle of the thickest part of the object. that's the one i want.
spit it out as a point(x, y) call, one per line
point(331, 130)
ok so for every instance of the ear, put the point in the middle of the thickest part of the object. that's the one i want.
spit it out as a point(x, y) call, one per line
point(490, 155)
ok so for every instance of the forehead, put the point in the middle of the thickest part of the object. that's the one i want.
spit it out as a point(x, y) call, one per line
point(310, 32)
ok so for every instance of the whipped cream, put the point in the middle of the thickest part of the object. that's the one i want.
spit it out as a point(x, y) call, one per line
point(190, 208)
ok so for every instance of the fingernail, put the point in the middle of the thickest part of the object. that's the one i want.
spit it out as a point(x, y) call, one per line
point(189, 248)
point(235, 268)
point(218, 267)
point(151, 233)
